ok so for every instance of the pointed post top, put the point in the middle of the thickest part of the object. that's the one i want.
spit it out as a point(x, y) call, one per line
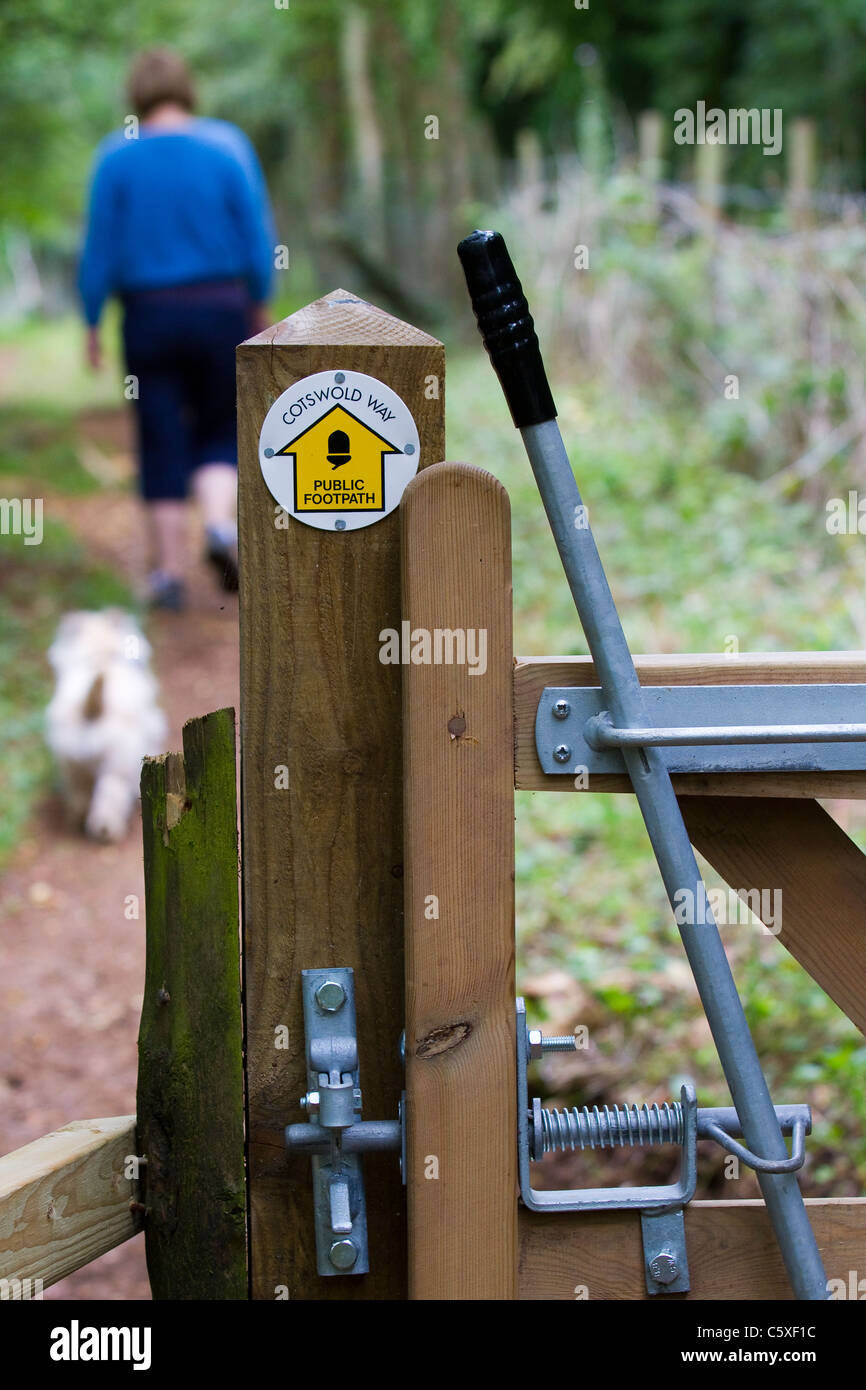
point(341, 319)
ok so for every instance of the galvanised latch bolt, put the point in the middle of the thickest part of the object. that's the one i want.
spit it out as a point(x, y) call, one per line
point(330, 996)
point(343, 1254)
point(663, 1268)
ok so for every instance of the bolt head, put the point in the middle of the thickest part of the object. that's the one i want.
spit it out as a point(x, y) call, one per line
point(663, 1269)
point(562, 752)
point(535, 1042)
point(343, 1254)
point(561, 710)
point(330, 996)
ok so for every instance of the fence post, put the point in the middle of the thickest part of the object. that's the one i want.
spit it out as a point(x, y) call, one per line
point(321, 799)
point(190, 1101)
point(801, 151)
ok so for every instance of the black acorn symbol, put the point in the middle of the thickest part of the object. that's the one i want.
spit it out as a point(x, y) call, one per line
point(338, 448)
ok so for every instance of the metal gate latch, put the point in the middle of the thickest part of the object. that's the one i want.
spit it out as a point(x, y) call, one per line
point(541, 1131)
point(335, 1136)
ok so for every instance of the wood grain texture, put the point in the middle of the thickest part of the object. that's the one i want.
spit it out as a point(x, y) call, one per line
point(459, 808)
point(731, 1248)
point(323, 859)
point(795, 848)
point(532, 674)
point(64, 1201)
point(190, 1058)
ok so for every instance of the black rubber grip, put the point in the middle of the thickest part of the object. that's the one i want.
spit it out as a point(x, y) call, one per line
point(506, 327)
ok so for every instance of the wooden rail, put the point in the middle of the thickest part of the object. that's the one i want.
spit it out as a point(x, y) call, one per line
point(816, 873)
point(65, 1200)
point(532, 674)
point(732, 1252)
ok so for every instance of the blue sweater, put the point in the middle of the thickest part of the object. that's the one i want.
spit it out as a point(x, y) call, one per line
point(176, 208)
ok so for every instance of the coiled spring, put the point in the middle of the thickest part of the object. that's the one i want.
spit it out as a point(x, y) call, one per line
point(612, 1127)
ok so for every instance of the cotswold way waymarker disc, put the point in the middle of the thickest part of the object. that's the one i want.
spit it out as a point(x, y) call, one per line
point(337, 450)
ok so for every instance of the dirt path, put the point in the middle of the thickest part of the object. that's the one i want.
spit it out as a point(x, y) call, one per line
point(71, 958)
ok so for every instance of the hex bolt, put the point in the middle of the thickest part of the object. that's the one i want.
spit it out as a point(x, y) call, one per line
point(663, 1268)
point(330, 996)
point(538, 1043)
point(561, 710)
point(562, 752)
point(343, 1254)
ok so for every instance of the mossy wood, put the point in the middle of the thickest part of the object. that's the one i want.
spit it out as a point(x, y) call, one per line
point(190, 1071)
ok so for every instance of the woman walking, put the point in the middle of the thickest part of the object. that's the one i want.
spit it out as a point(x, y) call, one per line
point(180, 229)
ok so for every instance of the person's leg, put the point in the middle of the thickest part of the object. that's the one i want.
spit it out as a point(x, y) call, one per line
point(163, 420)
point(215, 480)
point(215, 486)
point(167, 528)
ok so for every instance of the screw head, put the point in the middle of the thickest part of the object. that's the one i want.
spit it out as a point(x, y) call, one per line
point(663, 1269)
point(562, 752)
point(343, 1254)
point(330, 996)
point(561, 710)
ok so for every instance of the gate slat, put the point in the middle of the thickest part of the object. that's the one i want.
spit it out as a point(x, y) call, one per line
point(797, 848)
point(459, 904)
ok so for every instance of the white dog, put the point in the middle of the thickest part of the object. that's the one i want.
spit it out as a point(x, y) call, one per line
point(103, 718)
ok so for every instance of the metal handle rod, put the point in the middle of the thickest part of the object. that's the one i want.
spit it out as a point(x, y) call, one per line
point(600, 733)
point(674, 854)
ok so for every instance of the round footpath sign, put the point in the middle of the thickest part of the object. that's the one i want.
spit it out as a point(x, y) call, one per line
point(337, 450)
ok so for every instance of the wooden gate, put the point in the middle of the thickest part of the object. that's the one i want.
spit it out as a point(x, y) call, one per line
point(470, 742)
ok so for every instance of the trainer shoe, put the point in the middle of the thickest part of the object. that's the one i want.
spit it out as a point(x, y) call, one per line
point(165, 591)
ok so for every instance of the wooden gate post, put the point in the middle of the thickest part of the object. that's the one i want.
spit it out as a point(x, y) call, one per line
point(321, 798)
point(459, 800)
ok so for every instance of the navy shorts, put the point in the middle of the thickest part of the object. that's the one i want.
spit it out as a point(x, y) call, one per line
point(180, 345)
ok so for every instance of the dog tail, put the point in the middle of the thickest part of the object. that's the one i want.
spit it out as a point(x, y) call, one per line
point(94, 704)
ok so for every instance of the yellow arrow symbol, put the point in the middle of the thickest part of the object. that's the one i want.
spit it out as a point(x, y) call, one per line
point(339, 465)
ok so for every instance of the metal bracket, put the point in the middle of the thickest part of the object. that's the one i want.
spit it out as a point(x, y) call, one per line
point(335, 1136)
point(540, 1131)
point(666, 1262)
point(708, 728)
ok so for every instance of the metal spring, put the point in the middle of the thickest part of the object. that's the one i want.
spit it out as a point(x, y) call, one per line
point(611, 1127)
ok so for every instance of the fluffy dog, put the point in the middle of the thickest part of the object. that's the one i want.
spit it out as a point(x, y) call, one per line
point(104, 717)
